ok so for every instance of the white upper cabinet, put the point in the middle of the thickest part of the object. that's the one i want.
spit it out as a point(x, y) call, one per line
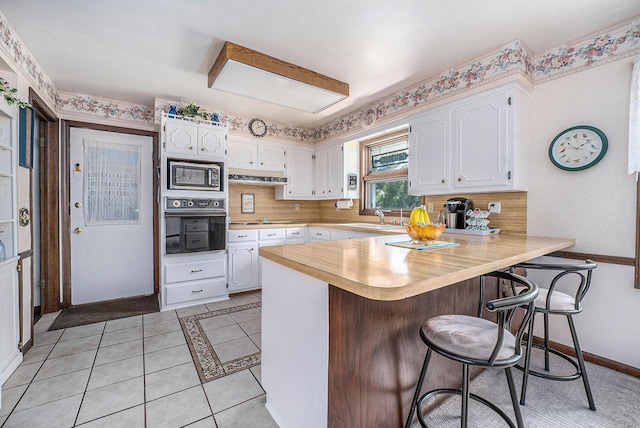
point(272, 158)
point(476, 144)
point(194, 140)
point(480, 151)
point(329, 178)
point(320, 187)
point(247, 154)
point(335, 172)
point(243, 155)
point(430, 153)
point(300, 177)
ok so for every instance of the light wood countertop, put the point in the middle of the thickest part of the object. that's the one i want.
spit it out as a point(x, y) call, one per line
point(369, 268)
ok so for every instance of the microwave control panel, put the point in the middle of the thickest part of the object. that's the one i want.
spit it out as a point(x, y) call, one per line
point(195, 204)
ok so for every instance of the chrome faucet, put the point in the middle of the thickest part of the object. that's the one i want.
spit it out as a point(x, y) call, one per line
point(380, 214)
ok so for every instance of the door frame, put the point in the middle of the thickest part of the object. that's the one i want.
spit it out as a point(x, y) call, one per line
point(49, 206)
point(66, 205)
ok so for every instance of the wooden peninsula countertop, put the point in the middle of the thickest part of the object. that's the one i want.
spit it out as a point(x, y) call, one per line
point(369, 268)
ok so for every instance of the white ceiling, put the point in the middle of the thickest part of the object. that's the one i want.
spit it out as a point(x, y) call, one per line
point(137, 50)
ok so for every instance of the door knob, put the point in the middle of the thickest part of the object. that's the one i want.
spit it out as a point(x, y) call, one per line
point(78, 204)
point(78, 230)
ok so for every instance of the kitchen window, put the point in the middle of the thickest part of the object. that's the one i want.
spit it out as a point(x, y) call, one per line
point(384, 161)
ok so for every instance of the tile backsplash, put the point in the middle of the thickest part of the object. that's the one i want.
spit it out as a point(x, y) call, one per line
point(512, 219)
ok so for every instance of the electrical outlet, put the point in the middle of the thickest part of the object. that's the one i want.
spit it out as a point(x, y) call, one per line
point(494, 207)
point(429, 207)
point(296, 207)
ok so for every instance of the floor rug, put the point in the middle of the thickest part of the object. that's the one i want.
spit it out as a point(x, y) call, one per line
point(105, 311)
point(207, 362)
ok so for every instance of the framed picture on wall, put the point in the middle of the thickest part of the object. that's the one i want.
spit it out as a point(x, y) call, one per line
point(25, 137)
point(247, 206)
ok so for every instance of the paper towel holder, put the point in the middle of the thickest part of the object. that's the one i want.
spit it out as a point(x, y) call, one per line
point(345, 205)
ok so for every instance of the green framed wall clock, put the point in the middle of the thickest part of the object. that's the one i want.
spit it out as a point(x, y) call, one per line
point(578, 148)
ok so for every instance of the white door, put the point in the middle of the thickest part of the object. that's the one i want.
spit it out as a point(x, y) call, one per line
point(111, 206)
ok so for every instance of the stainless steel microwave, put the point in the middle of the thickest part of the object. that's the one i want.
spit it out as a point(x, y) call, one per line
point(194, 176)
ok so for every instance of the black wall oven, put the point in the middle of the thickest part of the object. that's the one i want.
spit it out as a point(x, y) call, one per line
point(194, 225)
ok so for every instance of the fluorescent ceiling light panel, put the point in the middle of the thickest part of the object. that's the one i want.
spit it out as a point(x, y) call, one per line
point(251, 74)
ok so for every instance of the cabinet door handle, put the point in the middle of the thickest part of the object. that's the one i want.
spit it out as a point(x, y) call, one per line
point(203, 149)
point(442, 181)
point(271, 234)
point(196, 271)
point(459, 178)
point(242, 236)
point(196, 291)
point(295, 233)
point(251, 162)
point(190, 147)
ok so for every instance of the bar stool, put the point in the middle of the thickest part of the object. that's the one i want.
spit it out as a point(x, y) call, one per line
point(552, 302)
point(475, 341)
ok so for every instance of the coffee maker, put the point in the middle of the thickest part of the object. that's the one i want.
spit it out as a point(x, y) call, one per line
point(455, 210)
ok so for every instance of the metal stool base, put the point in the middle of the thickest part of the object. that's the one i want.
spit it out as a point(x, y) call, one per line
point(552, 376)
point(477, 398)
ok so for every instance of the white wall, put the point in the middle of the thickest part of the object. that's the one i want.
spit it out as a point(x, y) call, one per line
point(596, 206)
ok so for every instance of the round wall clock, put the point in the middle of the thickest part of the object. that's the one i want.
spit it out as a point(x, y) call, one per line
point(578, 148)
point(258, 128)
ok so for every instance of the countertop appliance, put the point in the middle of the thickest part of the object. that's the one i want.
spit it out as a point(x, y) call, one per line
point(459, 206)
point(194, 225)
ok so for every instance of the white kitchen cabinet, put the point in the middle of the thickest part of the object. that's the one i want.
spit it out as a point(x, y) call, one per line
point(328, 173)
point(193, 278)
point(194, 140)
point(320, 177)
point(243, 266)
point(10, 355)
point(243, 260)
point(253, 155)
point(477, 144)
point(300, 175)
point(430, 153)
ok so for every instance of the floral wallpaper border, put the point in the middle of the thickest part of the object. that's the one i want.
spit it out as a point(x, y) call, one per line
point(618, 42)
point(13, 46)
point(89, 106)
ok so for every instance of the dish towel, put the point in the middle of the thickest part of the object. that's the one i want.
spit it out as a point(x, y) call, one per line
point(634, 120)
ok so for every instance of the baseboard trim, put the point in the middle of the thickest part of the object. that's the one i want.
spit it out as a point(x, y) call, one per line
point(25, 348)
point(592, 358)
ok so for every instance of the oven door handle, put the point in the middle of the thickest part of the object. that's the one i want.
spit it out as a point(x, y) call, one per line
point(194, 214)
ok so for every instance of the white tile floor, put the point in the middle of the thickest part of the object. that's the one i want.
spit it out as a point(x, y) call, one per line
point(137, 372)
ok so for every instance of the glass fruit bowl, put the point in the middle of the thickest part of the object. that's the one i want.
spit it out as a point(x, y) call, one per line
point(424, 234)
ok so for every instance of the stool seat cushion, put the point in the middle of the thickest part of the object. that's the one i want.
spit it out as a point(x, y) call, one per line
point(559, 301)
point(468, 337)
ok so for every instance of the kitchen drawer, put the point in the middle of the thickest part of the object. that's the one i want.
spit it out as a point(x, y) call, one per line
point(268, 234)
point(195, 271)
point(319, 234)
point(196, 290)
point(243, 235)
point(295, 232)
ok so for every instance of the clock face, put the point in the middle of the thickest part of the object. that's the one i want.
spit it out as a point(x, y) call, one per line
point(258, 128)
point(578, 148)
